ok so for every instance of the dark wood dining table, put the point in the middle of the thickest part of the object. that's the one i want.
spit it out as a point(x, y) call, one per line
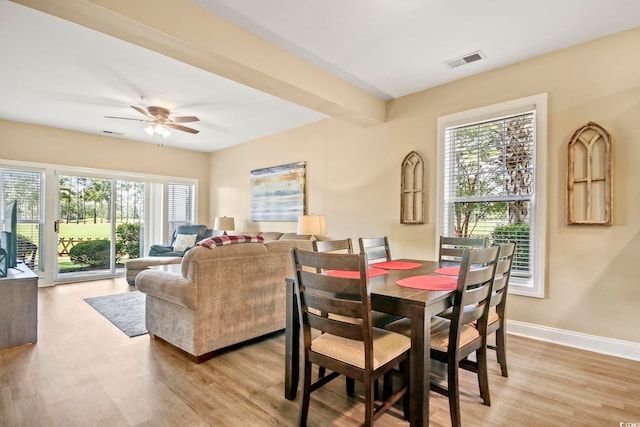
point(417, 304)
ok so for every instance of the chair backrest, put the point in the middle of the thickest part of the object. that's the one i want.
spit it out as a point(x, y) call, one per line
point(323, 299)
point(473, 292)
point(333, 246)
point(451, 247)
point(376, 248)
point(200, 230)
point(503, 273)
point(26, 252)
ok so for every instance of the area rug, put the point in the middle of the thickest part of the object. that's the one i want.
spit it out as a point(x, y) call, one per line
point(126, 311)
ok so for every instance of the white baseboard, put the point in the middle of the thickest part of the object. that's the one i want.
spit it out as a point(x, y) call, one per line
point(613, 347)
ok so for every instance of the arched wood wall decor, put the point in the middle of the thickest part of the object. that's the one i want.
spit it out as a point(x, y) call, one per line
point(412, 190)
point(589, 176)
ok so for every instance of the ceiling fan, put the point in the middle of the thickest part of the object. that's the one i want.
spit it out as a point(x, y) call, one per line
point(160, 121)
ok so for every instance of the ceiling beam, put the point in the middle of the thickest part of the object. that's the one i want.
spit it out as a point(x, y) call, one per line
point(188, 33)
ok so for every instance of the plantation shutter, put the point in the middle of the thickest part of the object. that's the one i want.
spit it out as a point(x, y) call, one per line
point(489, 176)
point(180, 206)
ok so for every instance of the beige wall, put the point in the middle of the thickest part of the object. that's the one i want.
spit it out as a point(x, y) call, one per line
point(353, 176)
point(46, 145)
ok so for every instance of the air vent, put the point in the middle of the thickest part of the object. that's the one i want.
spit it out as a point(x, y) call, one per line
point(470, 57)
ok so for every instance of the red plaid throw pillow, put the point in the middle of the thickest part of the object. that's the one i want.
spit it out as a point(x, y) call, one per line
point(228, 240)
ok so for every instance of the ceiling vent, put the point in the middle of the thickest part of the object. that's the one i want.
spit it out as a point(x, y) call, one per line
point(470, 57)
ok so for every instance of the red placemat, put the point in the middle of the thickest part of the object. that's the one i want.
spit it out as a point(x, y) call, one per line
point(397, 265)
point(448, 271)
point(373, 272)
point(431, 283)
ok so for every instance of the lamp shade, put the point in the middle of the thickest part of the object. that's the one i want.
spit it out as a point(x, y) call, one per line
point(224, 223)
point(312, 224)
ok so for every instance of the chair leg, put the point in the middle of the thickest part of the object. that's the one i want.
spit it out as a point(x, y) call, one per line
point(483, 375)
point(351, 386)
point(453, 392)
point(321, 371)
point(369, 403)
point(501, 350)
point(306, 394)
point(387, 385)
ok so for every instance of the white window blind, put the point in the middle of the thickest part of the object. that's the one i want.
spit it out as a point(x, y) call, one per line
point(26, 187)
point(180, 206)
point(489, 183)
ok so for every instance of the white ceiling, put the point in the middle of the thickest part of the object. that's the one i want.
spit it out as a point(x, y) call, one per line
point(60, 74)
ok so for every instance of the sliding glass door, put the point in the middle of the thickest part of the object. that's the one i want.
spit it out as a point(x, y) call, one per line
point(98, 225)
point(78, 224)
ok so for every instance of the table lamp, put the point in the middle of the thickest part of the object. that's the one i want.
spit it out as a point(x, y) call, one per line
point(224, 223)
point(312, 225)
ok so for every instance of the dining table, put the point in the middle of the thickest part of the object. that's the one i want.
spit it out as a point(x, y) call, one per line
point(414, 299)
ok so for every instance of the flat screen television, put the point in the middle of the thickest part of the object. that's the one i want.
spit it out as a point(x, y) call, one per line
point(9, 237)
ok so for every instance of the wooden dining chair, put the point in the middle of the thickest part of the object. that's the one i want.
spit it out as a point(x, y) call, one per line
point(454, 339)
point(354, 349)
point(376, 248)
point(333, 246)
point(451, 247)
point(497, 321)
point(378, 318)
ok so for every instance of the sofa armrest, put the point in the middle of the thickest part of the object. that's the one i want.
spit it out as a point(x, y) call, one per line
point(160, 250)
point(169, 287)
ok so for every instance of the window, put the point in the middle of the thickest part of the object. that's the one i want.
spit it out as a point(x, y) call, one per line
point(180, 200)
point(26, 186)
point(491, 169)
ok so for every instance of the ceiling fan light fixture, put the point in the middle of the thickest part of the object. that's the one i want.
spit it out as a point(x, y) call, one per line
point(158, 129)
point(161, 122)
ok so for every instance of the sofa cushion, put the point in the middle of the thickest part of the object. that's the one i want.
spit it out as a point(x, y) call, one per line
point(284, 246)
point(183, 241)
point(200, 230)
point(294, 236)
point(228, 240)
point(271, 235)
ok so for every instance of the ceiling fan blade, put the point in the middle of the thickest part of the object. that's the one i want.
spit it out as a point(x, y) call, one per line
point(127, 118)
point(141, 111)
point(185, 119)
point(182, 128)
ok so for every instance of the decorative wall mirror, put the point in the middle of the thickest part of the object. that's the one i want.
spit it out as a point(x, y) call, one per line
point(412, 190)
point(589, 176)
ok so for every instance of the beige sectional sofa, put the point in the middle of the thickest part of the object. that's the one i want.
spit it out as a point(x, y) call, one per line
point(223, 296)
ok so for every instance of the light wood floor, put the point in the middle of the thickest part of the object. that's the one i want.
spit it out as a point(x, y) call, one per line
point(85, 372)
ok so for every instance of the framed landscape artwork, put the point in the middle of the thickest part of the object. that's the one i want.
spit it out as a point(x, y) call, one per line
point(278, 192)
